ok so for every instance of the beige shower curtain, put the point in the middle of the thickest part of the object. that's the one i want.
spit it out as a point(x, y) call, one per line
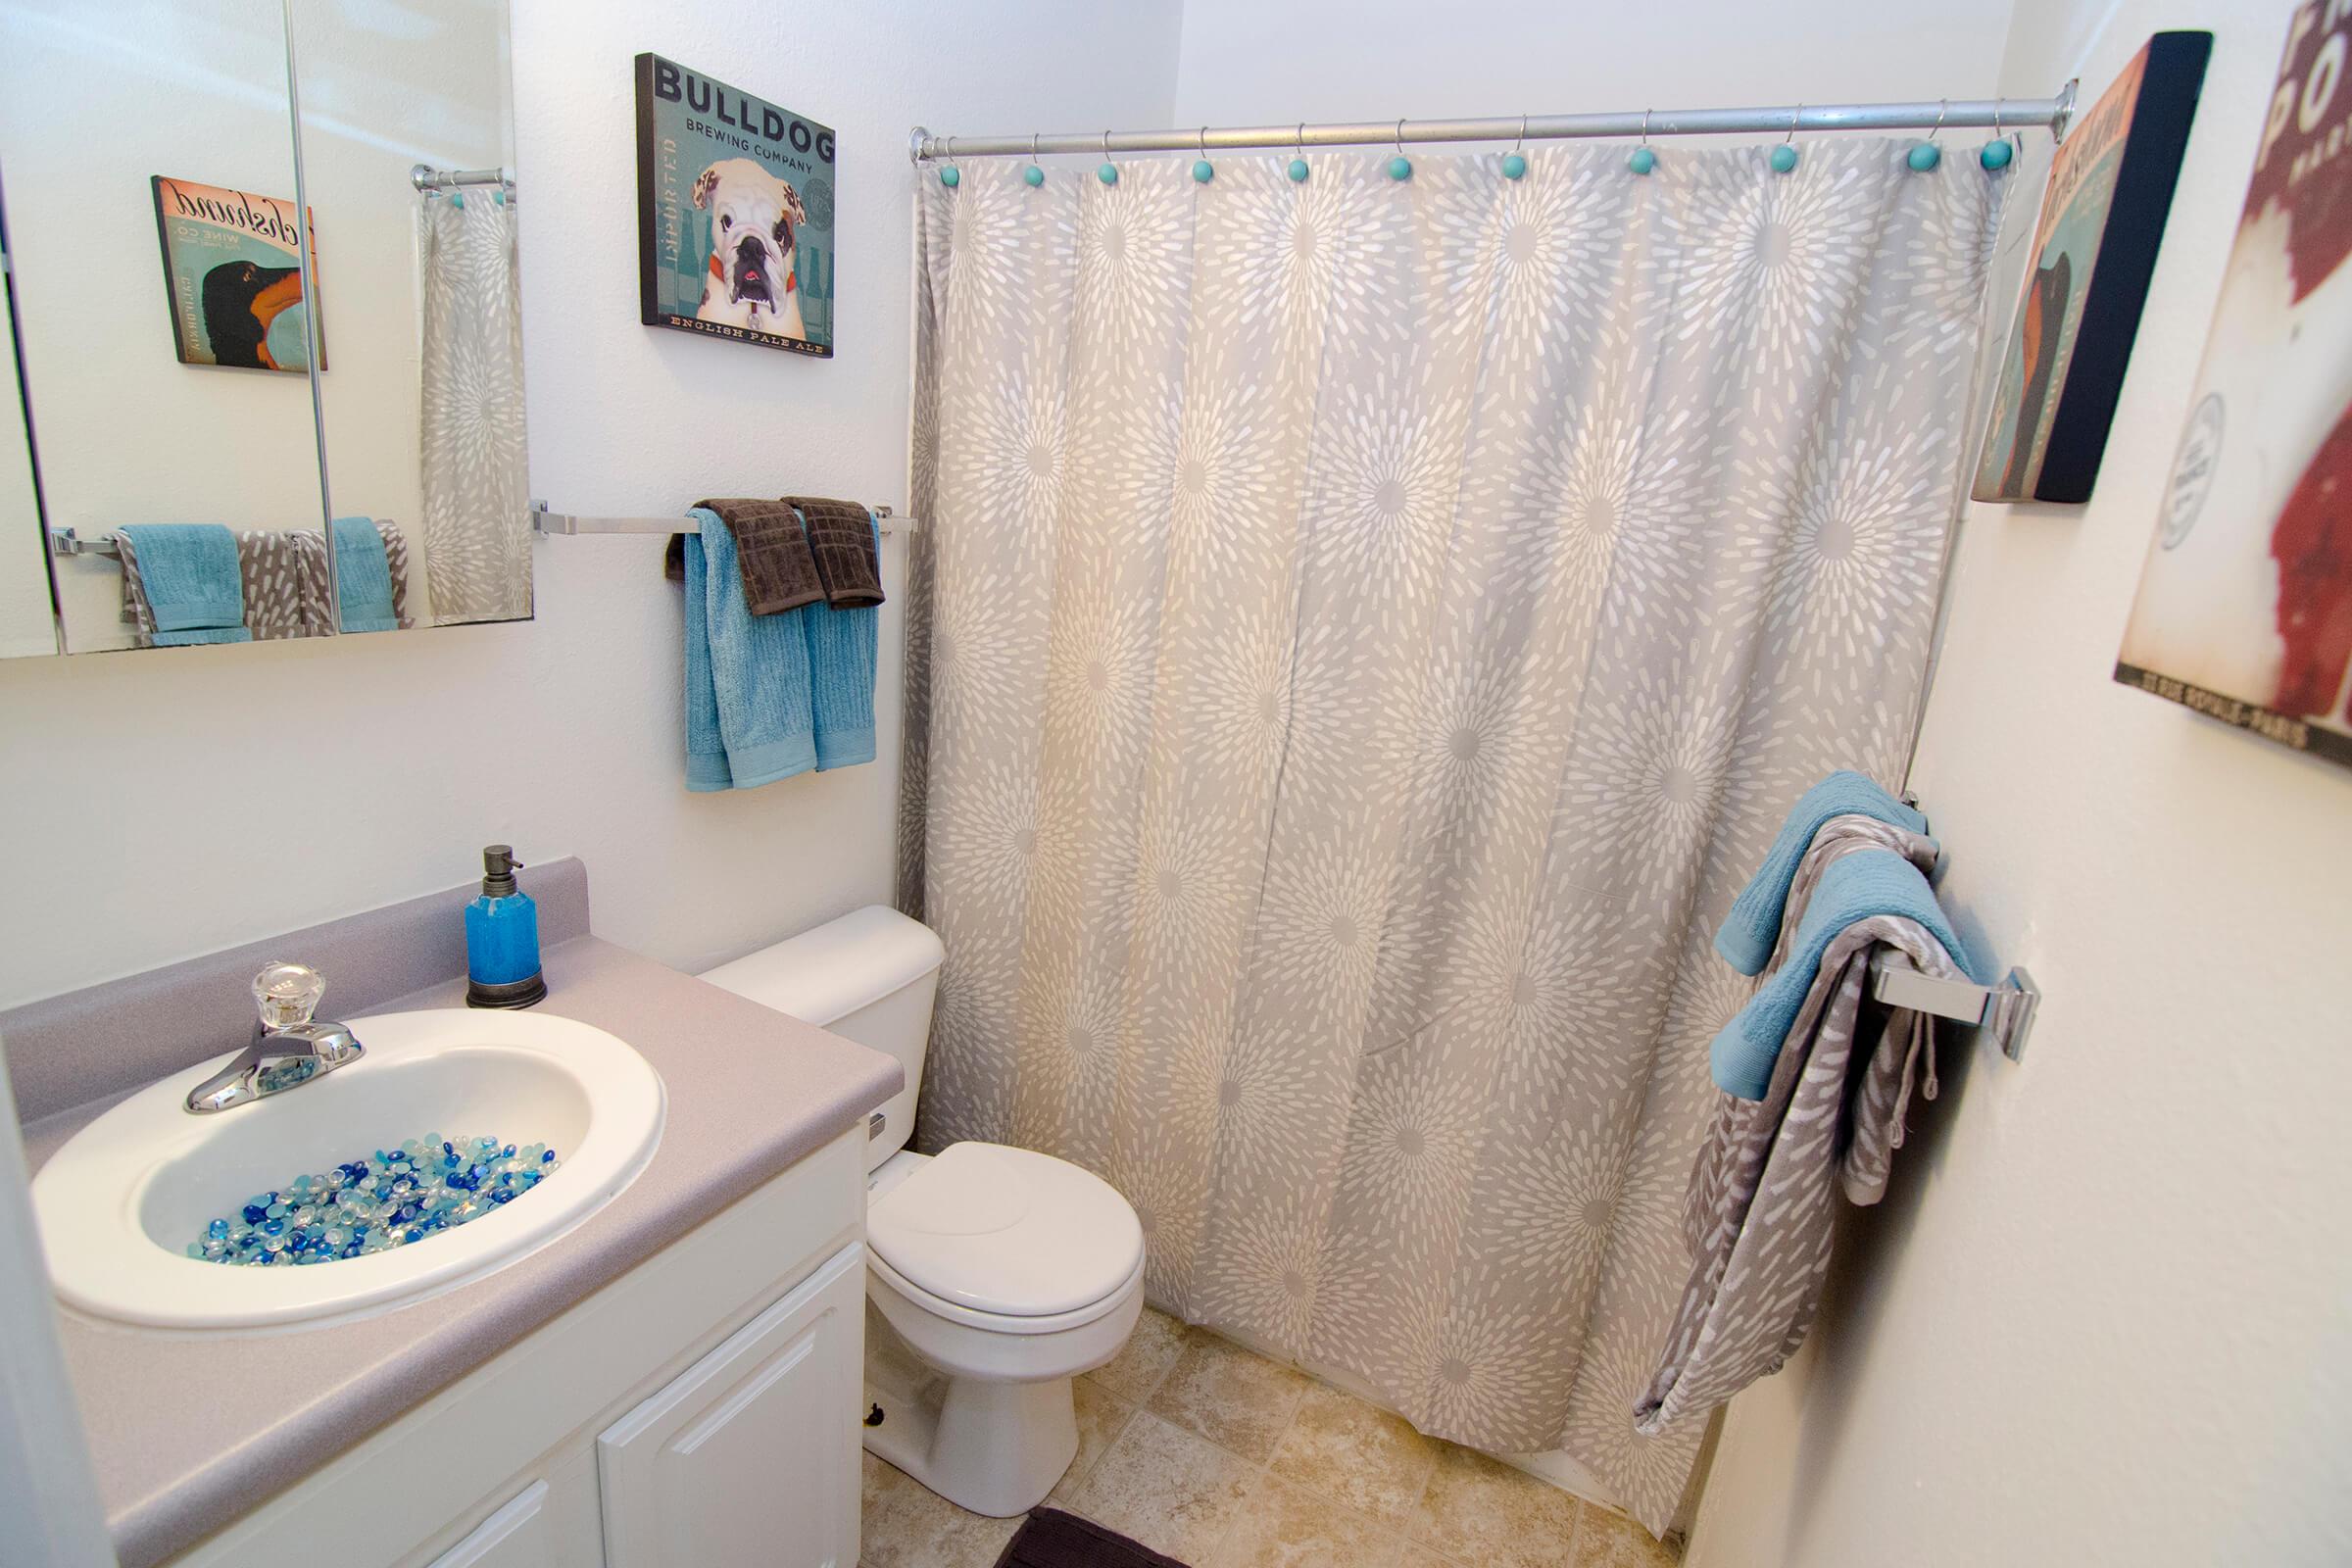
point(1367, 631)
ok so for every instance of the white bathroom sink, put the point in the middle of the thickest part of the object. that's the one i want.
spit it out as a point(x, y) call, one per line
point(119, 1203)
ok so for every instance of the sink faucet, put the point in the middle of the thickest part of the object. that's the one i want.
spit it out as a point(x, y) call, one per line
point(288, 1049)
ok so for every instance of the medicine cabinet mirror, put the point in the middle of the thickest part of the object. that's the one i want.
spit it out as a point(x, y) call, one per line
point(340, 411)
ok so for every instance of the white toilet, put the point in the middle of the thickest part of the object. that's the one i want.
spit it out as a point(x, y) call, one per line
point(994, 1275)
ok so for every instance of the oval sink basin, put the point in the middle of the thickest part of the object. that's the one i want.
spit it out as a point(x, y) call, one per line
point(119, 1203)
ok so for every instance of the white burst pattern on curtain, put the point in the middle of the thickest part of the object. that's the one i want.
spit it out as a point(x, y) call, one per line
point(475, 476)
point(1367, 631)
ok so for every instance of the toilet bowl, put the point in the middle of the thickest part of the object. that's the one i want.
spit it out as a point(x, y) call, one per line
point(994, 1275)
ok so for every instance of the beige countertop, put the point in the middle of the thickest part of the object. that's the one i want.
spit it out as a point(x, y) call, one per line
point(188, 1432)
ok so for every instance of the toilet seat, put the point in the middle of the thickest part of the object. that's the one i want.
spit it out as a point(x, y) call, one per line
point(984, 1233)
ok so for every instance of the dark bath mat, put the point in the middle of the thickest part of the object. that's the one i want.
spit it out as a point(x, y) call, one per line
point(1051, 1539)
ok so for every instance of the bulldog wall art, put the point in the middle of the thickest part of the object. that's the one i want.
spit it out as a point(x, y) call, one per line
point(735, 213)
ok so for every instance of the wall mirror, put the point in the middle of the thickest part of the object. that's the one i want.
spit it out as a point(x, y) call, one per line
point(232, 425)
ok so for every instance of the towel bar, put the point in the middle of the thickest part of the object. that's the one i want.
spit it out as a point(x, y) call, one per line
point(66, 542)
point(552, 522)
point(2006, 1008)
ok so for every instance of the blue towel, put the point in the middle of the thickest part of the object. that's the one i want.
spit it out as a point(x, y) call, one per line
point(188, 571)
point(363, 577)
point(841, 665)
point(1753, 927)
point(1853, 887)
point(750, 719)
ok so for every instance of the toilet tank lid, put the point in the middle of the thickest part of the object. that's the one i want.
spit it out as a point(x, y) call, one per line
point(831, 971)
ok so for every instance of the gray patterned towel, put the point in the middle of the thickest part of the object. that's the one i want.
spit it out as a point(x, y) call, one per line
point(841, 533)
point(780, 571)
point(1757, 1216)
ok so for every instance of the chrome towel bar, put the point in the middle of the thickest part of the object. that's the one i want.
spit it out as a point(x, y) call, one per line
point(565, 522)
point(2007, 1010)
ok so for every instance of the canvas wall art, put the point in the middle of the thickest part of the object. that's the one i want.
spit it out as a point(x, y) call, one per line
point(2095, 246)
point(233, 271)
point(734, 212)
point(2245, 604)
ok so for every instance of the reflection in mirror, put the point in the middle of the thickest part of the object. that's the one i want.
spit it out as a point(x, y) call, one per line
point(422, 401)
point(239, 457)
point(149, 178)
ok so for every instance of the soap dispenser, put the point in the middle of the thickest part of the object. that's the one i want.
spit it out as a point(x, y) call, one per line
point(502, 938)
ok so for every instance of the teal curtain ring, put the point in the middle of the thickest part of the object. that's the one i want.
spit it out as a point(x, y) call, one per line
point(1927, 154)
point(499, 195)
point(1514, 161)
point(948, 175)
point(1400, 167)
point(1034, 176)
point(1783, 156)
point(1202, 169)
point(1298, 169)
point(1109, 174)
point(1995, 154)
point(1643, 160)
point(456, 200)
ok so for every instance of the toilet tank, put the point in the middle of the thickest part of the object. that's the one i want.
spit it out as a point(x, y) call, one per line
point(869, 976)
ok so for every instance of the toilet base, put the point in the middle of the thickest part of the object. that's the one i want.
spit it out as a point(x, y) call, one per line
point(993, 1447)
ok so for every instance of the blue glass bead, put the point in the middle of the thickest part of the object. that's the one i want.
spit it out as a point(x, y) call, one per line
point(1643, 160)
point(547, 1157)
point(506, 1153)
point(949, 177)
point(1203, 171)
point(218, 1229)
point(1034, 176)
point(1297, 170)
point(1924, 156)
point(255, 1213)
point(1783, 159)
point(1400, 167)
point(1515, 166)
point(1996, 154)
point(1109, 174)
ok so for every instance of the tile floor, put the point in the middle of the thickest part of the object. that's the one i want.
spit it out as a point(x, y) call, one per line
point(1220, 1457)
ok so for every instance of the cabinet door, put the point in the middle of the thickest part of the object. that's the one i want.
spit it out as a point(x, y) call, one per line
point(749, 1458)
point(520, 1534)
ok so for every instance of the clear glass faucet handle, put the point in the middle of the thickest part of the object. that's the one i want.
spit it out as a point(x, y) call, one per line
point(287, 994)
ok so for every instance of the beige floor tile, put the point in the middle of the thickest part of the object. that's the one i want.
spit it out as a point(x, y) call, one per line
point(1356, 1454)
point(1101, 1416)
point(908, 1525)
point(1608, 1540)
point(1237, 1399)
point(1152, 1348)
point(1283, 1526)
point(1480, 1510)
point(1166, 1487)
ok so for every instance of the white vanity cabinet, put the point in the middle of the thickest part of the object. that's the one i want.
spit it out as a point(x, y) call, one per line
point(700, 1412)
point(724, 1465)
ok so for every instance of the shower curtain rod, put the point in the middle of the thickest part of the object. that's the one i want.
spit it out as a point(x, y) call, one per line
point(1957, 114)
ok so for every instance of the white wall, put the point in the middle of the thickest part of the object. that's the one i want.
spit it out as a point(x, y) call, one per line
point(159, 806)
point(1274, 62)
point(2104, 1316)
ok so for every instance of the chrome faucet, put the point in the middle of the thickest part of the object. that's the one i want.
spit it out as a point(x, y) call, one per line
point(288, 1049)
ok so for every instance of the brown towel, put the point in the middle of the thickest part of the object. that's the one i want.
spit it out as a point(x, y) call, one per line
point(779, 572)
point(841, 534)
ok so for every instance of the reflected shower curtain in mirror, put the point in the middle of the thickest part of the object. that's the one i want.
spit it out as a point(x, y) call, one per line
point(1367, 632)
point(477, 535)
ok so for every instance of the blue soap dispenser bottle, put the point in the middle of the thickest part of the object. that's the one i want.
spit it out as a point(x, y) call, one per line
point(502, 938)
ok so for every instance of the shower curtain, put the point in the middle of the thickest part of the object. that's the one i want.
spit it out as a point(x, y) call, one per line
point(1367, 632)
point(477, 537)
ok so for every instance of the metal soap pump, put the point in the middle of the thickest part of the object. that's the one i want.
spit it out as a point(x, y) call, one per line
point(502, 938)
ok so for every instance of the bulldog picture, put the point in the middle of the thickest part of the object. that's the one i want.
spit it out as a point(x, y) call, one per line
point(736, 207)
point(754, 278)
